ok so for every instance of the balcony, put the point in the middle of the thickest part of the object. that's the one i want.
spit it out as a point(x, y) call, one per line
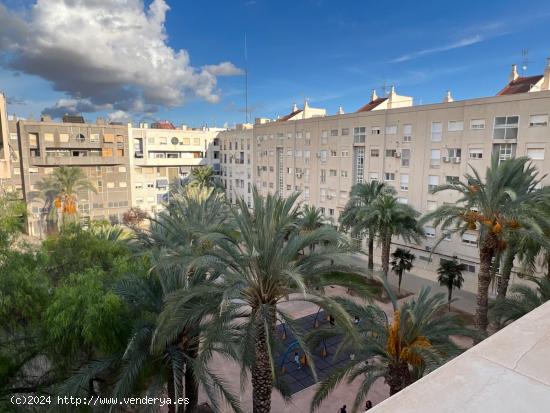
point(77, 160)
point(501, 374)
point(170, 161)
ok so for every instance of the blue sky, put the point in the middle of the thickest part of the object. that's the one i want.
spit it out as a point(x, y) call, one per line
point(331, 52)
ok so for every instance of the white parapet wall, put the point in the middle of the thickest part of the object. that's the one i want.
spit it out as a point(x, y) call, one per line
point(507, 373)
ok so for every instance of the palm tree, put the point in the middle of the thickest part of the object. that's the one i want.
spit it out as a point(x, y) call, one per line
point(523, 300)
point(416, 341)
point(402, 260)
point(391, 218)
point(204, 176)
point(261, 265)
point(61, 190)
point(361, 197)
point(495, 207)
point(311, 218)
point(450, 276)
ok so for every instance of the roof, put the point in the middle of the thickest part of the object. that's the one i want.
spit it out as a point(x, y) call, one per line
point(371, 105)
point(290, 115)
point(163, 124)
point(520, 85)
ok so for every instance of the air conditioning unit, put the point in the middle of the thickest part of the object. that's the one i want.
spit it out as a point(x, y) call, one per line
point(397, 155)
point(446, 159)
point(299, 175)
point(329, 196)
point(456, 160)
point(318, 155)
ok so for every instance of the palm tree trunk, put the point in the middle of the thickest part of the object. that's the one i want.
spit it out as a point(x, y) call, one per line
point(450, 297)
point(191, 384)
point(548, 265)
point(504, 279)
point(171, 391)
point(386, 245)
point(370, 264)
point(400, 275)
point(262, 380)
point(484, 279)
point(398, 377)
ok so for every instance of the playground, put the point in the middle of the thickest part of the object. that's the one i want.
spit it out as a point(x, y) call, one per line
point(299, 378)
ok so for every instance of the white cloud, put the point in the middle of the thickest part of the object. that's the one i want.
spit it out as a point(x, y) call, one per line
point(107, 52)
point(466, 41)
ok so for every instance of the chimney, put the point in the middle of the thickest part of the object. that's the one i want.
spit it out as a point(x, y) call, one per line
point(546, 80)
point(448, 97)
point(373, 95)
point(513, 74)
point(340, 110)
point(294, 107)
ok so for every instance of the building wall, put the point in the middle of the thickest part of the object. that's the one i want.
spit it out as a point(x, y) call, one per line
point(101, 151)
point(319, 155)
point(237, 162)
point(5, 159)
point(161, 156)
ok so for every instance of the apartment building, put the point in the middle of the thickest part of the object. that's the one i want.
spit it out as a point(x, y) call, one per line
point(9, 151)
point(100, 150)
point(161, 154)
point(237, 162)
point(412, 148)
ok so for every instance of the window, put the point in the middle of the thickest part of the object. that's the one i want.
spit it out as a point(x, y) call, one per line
point(345, 131)
point(375, 130)
point(431, 205)
point(391, 130)
point(433, 182)
point(402, 200)
point(288, 170)
point(333, 153)
point(475, 153)
point(390, 153)
point(404, 182)
point(187, 141)
point(323, 155)
point(505, 151)
point(17, 171)
point(407, 132)
point(477, 124)
point(289, 153)
point(405, 157)
point(122, 169)
point(331, 212)
point(33, 170)
point(13, 136)
point(33, 139)
point(48, 137)
point(359, 135)
point(538, 120)
point(63, 137)
point(79, 137)
point(110, 184)
point(151, 140)
point(323, 176)
point(373, 176)
point(122, 184)
point(138, 185)
point(455, 125)
point(454, 154)
point(343, 194)
point(469, 238)
point(324, 137)
point(375, 153)
point(435, 157)
point(344, 154)
point(389, 176)
point(359, 165)
point(506, 127)
point(437, 131)
point(108, 138)
point(306, 192)
point(429, 232)
point(106, 152)
point(299, 135)
point(333, 172)
point(334, 132)
point(452, 180)
point(344, 173)
point(289, 187)
point(323, 195)
point(537, 154)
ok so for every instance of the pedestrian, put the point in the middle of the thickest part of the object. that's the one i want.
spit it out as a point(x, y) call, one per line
point(297, 359)
point(343, 409)
point(368, 405)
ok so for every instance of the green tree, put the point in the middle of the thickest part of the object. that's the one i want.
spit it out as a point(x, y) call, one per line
point(60, 192)
point(391, 218)
point(205, 177)
point(12, 218)
point(523, 299)
point(450, 277)
point(353, 217)
point(401, 350)
point(311, 218)
point(495, 207)
point(402, 260)
point(262, 265)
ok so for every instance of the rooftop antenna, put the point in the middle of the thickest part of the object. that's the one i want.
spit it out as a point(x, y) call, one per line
point(525, 60)
point(245, 80)
point(384, 88)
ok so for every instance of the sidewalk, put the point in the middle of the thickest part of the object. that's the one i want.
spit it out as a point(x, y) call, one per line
point(463, 300)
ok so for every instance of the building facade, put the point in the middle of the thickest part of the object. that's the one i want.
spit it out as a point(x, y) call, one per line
point(411, 148)
point(101, 150)
point(237, 162)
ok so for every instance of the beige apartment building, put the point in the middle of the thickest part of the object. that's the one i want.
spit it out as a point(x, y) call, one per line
point(412, 148)
point(100, 150)
point(9, 152)
point(237, 162)
point(162, 154)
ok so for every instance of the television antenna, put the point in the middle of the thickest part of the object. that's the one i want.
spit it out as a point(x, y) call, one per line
point(524, 60)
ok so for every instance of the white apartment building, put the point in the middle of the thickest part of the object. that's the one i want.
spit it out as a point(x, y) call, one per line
point(236, 159)
point(412, 148)
point(161, 154)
